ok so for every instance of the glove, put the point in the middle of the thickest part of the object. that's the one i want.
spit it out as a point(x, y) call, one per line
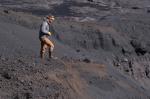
point(49, 33)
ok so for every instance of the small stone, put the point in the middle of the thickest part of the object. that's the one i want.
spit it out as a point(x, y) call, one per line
point(126, 70)
point(31, 88)
point(20, 61)
point(87, 60)
point(125, 60)
point(135, 8)
point(148, 11)
point(46, 78)
point(22, 81)
point(90, 82)
point(118, 64)
point(6, 75)
point(3, 59)
point(30, 84)
point(6, 11)
point(16, 97)
point(90, 0)
point(28, 95)
point(77, 50)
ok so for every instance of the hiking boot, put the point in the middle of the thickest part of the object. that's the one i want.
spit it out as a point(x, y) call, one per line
point(53, 57)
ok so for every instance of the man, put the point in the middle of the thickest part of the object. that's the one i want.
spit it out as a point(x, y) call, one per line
point(44, 34)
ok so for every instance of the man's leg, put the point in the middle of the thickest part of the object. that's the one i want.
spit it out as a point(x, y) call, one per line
point(50, 45)
point(43, 49)
point(50, 53)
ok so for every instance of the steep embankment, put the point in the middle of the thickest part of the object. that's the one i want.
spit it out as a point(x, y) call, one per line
point(22, 77)
point(22, 74)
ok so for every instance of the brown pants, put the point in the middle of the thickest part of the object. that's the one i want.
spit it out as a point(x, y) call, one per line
point(46, 43)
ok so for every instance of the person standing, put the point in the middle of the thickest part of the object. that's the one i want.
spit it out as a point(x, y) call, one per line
point(44, 33)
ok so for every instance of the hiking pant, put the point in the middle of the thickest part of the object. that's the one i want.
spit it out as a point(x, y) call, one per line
point(46, 43)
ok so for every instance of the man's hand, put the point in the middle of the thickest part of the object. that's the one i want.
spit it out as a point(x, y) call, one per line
point(49, 33)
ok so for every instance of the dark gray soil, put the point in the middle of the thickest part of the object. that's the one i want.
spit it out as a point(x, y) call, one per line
point(102, 46)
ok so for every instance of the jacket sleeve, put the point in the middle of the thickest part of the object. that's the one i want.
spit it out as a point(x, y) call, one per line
point(44, 28)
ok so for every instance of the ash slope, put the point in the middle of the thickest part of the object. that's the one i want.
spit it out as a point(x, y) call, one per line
point(112, 35)
point(23, 76)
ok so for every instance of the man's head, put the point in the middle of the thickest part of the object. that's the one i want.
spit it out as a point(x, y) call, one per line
point(50, 19)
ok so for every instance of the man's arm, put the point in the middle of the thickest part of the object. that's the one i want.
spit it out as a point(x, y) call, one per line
point(44, 28)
